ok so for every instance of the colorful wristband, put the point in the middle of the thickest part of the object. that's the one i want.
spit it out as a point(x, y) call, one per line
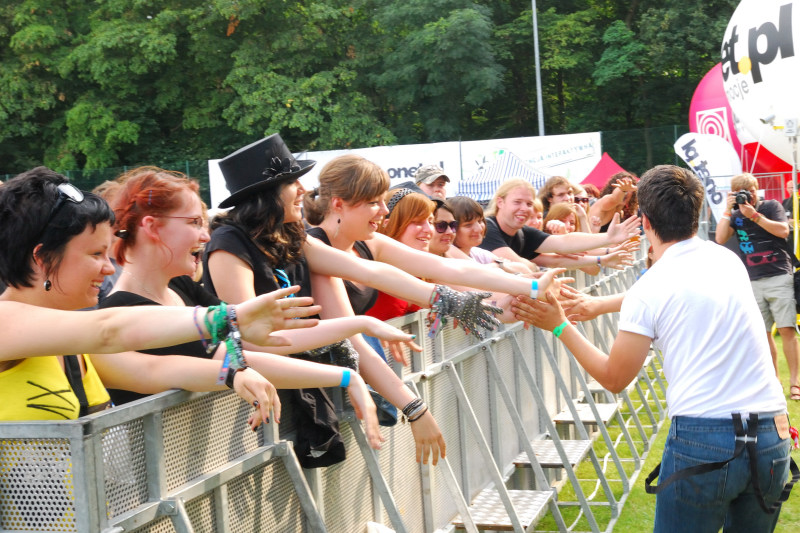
point(559, 329)
point(598, 261)
point(534, 288)
point(345, 378)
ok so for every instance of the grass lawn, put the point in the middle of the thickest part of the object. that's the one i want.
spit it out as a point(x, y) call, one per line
point(639, 510)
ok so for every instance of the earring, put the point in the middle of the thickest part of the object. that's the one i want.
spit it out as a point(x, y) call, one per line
point(48, 285)
point(338, 225)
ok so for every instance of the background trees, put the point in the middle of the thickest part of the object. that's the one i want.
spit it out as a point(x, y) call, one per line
point(124, 82)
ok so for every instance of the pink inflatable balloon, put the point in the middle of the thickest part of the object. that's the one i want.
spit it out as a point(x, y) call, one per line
point(710, 112)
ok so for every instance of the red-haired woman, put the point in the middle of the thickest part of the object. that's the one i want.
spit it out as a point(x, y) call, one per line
point(161, 225)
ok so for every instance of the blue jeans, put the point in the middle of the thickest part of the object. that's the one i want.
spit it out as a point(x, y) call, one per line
point(724, 497)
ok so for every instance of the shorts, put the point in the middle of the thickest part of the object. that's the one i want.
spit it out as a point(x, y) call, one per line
point(775, 298)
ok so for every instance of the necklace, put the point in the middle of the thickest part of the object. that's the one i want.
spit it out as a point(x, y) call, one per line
point(175, 301)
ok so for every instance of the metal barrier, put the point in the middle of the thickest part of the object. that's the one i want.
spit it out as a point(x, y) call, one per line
point(186, 462)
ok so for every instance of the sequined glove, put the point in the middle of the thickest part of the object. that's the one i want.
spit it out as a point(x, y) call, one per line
point(466, 308)
point(340, 353)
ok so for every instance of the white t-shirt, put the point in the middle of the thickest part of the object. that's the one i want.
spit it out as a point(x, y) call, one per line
point(697, 305)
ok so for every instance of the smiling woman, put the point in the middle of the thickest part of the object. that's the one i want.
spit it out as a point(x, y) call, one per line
point(55, 241)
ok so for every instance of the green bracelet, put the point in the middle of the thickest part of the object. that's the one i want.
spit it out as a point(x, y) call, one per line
point(559, 329)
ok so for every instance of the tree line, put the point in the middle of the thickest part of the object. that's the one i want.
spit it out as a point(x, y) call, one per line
point(87, 85)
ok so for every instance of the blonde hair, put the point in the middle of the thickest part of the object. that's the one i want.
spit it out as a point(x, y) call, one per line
point(505, 188)
point(743, 181)
point(560, 212)
point(413, 207)
point(349, 177)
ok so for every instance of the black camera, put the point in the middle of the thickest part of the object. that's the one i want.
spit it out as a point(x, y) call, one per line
point(743, 197)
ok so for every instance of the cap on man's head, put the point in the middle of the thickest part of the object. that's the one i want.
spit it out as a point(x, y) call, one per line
point(427, 174)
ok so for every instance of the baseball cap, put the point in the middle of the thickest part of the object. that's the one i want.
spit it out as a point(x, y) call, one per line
point(427, 174)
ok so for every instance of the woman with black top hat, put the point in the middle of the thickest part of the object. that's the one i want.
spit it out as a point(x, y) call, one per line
point(261, 245)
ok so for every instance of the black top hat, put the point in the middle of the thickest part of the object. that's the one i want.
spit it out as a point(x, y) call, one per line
point(264, 163)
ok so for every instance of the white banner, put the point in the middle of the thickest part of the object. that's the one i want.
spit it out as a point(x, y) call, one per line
point(715, 162)
point(572, 156)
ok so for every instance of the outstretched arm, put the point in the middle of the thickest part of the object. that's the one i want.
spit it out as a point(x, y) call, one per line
point(397, 256)
point(614, 371)
point(579, 242)
point(120, 329)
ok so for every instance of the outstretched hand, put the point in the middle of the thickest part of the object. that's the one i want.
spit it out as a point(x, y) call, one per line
point(466, 308)
point(392, 339)
point(273, 311)
point(548, 281)
point(621, 231)
point(546, 314)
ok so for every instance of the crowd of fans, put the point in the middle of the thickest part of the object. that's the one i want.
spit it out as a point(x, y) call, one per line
point(175, 288)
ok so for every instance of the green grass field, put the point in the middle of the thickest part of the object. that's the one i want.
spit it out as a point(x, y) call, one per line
point(639, 510)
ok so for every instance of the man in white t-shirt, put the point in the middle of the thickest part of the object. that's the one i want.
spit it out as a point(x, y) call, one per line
point(696, 306)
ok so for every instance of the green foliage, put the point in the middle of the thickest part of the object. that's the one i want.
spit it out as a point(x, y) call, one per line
point(125, 82)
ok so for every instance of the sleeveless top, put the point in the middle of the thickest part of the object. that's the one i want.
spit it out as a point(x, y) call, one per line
point(361, 297)
point(192, 294)
point(37, 389)
point(234, 240)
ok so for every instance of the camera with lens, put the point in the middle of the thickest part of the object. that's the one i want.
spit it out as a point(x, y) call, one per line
point(743, 197)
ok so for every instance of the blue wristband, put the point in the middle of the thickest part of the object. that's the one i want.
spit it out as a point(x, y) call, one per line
point(345, 378)
point(534, 288)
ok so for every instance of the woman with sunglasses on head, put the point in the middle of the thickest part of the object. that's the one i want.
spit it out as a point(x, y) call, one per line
point(160, 220)
point(55, 242)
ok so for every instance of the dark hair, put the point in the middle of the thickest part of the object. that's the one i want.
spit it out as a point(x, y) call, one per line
point(671, 198)
point(141, 192)
point(465, 209)
point(630, 207)
point(26, 205)
point(260, 215)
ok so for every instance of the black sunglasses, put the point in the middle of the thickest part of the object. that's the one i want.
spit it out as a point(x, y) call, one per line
point(442, 226)
point(67, 192)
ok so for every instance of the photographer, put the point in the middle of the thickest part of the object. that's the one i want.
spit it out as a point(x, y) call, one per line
point(761, 229)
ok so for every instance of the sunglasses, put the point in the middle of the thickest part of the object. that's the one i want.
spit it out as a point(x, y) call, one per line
point(442, 226)
point(67, 192)
point(581, 199)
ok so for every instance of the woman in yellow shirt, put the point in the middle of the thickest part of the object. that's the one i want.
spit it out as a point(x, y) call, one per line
point(54, 243)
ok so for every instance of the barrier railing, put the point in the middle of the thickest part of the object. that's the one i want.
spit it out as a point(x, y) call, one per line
point(185, 462)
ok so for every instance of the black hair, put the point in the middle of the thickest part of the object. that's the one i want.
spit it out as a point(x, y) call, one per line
point(261, 215)
point(27, 202)
point(671, 198)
